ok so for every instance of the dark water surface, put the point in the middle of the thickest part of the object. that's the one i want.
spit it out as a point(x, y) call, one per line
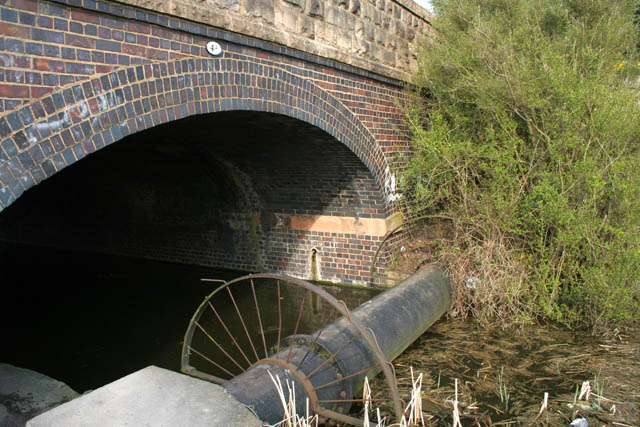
point(88, 319)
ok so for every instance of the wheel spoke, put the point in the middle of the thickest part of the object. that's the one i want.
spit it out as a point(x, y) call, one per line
point(315, 340)
point(335, 354)
point(233, 300)
point(219, 346)
point(209, 360)
point(295, 331)
point(229, 333)
point(347, 377)
point(255, 300)
point(279, 320)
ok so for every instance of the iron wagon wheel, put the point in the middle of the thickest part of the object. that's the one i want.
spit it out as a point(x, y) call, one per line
point(273, 319)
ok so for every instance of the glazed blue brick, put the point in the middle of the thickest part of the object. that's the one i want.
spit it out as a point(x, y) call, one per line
point(58, 10)
point(47, 148)
point(90, 30)
point(27, 19)
point(68, 53)
point(43, 21)
point(8, 15)
point(68, 156)
point(38, 174)
point(51, 50)
point(13, 45)
point(50, 79)
point(83, 55)
point(76, 27)
point(47, 36)
point(14, 121)
point(25, 160)
point(48, 168)
point(59, 162)
point(6, 197)
point(66, 79)
point(63, 25)
point(106, 137)
point(67, 138)
point(16, 188)
point(103, 6)
point(107, 45)
point(27, 181)
point(77, 93)
point(79, 151)
point(9, 147)
point(77, 133)
point(36, 154)
point(58, 100)
point(33, 48)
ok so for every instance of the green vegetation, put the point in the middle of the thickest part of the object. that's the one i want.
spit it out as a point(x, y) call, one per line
point(525, 130)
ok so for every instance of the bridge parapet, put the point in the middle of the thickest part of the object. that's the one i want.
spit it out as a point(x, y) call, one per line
point(376, 35)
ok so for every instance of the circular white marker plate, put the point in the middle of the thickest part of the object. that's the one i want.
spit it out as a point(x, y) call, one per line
point(214, 48)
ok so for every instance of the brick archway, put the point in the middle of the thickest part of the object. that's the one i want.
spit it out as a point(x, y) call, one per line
point(49, 134)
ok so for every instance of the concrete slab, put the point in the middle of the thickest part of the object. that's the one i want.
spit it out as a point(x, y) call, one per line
point(25, 393)
point(152, 397)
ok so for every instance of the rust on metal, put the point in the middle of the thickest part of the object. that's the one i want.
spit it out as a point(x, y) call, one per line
point(358, 343)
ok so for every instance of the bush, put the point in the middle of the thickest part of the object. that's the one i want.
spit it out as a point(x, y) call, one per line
point(525, 132)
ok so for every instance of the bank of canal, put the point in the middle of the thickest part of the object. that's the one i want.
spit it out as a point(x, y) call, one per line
point(504, 373)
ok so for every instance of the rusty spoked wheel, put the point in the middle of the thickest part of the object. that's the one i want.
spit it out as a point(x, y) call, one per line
point(270, 320)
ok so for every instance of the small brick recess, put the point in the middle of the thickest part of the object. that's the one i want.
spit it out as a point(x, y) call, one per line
point(79, 75)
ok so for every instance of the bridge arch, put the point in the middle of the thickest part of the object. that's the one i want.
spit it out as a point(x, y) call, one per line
point(51, 133)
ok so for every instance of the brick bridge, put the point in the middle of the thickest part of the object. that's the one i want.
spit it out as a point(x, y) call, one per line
point(277, 154)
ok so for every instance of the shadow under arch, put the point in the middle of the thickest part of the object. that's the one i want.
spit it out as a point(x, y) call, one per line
point(64, 127)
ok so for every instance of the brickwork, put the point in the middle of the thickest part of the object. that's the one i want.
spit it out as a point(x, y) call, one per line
point(79, 75)
point(235, 205)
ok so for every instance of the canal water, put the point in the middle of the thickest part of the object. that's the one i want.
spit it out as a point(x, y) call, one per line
point(89, 319)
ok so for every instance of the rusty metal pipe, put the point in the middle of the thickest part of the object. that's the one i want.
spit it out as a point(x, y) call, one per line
point(397, 317)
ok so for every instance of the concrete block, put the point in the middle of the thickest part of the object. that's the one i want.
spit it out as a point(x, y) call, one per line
point(151, 397)
point(25, 394)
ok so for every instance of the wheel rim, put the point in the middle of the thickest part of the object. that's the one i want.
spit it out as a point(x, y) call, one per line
point(260, 319)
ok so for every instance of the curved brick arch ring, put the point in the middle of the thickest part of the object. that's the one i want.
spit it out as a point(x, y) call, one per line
point(49, 134)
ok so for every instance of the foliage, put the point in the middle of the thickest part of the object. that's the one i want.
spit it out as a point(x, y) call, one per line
point(525, 128)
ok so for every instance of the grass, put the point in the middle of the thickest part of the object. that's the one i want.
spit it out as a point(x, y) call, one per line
point(502, 388)
point(412, 416)
point(291, 418)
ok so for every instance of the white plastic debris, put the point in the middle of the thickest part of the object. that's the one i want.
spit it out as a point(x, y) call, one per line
point(580, 422)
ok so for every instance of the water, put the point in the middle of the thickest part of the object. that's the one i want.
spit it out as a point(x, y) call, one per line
point(89, 319)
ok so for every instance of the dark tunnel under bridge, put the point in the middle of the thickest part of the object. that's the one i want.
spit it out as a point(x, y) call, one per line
point(244, 190)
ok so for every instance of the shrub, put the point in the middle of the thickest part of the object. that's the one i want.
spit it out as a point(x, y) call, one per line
point(525, 132)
